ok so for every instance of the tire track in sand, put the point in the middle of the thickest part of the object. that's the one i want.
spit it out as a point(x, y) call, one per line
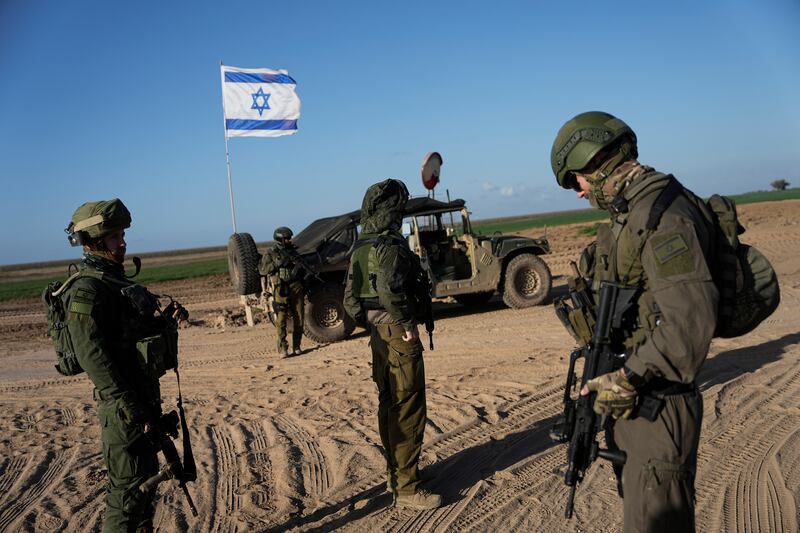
point(12, 467)
point(44, 474)
point(226, 492)
point(316, 473)
point(747, 491)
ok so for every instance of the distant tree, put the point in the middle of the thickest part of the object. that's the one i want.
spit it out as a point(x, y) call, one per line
point(780, 185)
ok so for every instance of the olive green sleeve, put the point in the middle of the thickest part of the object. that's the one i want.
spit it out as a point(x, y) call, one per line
point(269, 263)
point(393, 269)
point(352, 305)
point(685, 297)
point(89, 314)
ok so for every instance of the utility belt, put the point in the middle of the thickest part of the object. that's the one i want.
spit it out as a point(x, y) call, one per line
point(371, 304)
point(651, 396)
point(101, 397)
point(661, 387)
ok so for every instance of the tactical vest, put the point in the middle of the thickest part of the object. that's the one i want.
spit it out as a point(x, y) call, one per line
point(365, 274)
point(153, 338)
point(617, 257)
point(365, 269)
point(286, 274)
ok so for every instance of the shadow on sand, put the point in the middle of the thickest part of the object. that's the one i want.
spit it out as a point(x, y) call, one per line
point(451, 476)
point(727, 366)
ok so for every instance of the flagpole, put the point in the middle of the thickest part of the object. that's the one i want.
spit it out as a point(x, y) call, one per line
point(227, 153)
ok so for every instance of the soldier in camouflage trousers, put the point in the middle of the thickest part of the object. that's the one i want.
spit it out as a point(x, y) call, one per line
point(286, 276)
point(384, 292)
point(660, 241)
point(119, 347)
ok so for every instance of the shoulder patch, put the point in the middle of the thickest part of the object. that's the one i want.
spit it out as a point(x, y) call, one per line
point(669, 247)
point(84, 295)
point(81, 307)
point(672, 255)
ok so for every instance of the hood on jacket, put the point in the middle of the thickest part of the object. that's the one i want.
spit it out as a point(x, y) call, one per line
point(383, 206)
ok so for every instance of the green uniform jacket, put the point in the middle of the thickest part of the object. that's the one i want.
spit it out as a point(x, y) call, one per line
point(278, 266)
point(104, 329)
point(397, 269)
point(677, 311)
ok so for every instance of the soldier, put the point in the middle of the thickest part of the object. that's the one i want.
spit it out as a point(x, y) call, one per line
point(285, 275)
point(667, 341)
point(119, 345)
point(387, 291)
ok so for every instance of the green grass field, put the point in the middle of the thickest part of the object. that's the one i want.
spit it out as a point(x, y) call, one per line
point(510, 225)
point(31, 288)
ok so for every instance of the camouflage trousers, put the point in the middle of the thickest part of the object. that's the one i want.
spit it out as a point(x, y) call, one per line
point(399, 372)
point(127, 508)
point(658, 476)
point(290, 305)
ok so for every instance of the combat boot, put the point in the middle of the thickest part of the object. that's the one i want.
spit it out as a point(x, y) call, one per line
point(420, 500)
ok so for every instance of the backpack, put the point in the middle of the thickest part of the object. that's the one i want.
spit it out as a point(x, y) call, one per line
point(66, 361)
point(747, 283)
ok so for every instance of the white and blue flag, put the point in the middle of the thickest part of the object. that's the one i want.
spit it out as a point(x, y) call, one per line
point(259, 102)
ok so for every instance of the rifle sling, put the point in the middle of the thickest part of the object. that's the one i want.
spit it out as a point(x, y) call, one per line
point(189, 467)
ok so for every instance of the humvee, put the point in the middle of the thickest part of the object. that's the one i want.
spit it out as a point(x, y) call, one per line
point(461, 264)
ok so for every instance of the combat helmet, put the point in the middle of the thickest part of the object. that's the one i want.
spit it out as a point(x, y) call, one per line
point(383, 204)
point(582, 138)
point(282, 234)
point(93, 220)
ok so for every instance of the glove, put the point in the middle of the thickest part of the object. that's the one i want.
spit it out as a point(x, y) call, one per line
point(615, 395)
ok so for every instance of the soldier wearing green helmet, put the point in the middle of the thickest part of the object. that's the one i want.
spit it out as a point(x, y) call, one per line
point(387, 291)
point(659, 241)
point(117, 344)
point(285, 275)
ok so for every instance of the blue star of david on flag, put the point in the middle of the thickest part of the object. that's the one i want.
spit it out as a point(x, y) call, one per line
point(259, 102)
point(264, 97)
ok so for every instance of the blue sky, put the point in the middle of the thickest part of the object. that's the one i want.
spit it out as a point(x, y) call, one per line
point(101, 99)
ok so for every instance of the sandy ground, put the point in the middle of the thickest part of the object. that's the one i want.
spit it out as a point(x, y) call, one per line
point(293, 445)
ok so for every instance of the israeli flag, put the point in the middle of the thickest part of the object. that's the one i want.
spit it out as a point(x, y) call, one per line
point(259, 102)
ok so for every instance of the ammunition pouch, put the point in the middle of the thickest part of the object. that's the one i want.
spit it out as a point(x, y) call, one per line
point(578, 321)
point(285, 274)
point(158, 353)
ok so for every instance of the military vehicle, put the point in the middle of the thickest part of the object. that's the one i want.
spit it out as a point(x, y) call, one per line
point(461, 263)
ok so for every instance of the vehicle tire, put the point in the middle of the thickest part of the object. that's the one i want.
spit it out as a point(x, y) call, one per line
point(243, 260)
point(527, 281)
point(325, 318)
point(476, 298)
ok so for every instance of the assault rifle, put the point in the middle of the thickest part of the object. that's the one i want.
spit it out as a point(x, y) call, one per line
point(159, 437)
point(293, 257)
point(579, 424)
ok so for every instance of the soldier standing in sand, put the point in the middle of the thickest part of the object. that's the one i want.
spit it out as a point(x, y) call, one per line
point(121, 347)
point(384, 291)
point(595, 154)
point(285, 276)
